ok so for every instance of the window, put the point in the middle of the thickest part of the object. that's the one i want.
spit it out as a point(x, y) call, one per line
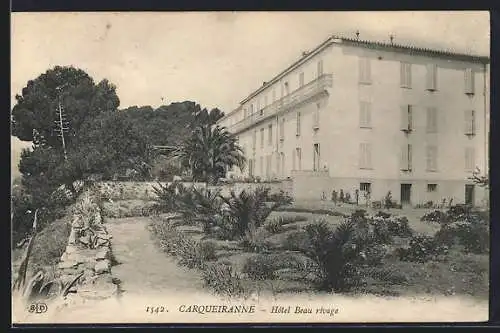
point(261, 110)
point(431, 154)
point(282, 129)
point(316, 157)
point(365, 156)
point(365, 115)
point(432, 120)
point(270, 135)
point(245, 113)
point(261, 138)
point(282, 155)
point(301, 79)
point(268, 166)
point(405, 75)
point(316, 116)
point(365, 187)
point(432, 187)
point(469, 81)
point(254, 139)
point(287, 88)
point(431, 82)
point(320, 68)
point(298, 156)
point(298, 124)
point(365, 70)
point(251, 109)
point(406, 118)
point(470, 158)
point(406, 152)
point(265, 101)
point(470, 122)
point(261, 167)
point(274, 95)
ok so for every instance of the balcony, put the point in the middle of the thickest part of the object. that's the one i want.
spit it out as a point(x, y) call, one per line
point(300, 95)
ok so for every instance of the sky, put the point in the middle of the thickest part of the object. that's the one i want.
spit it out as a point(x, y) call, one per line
point(213, 58)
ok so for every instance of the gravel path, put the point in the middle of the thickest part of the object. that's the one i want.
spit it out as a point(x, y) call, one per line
point(142, 268)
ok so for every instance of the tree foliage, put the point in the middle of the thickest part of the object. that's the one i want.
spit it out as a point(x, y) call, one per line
point(111, 144)
point(80, 98)
point(208, 152)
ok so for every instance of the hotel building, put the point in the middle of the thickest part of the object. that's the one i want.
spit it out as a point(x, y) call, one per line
point(377, 117)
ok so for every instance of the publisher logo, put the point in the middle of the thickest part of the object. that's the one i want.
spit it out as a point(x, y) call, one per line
point(37, 308)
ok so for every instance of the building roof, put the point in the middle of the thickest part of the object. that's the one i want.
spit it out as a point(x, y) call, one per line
point(368, 44)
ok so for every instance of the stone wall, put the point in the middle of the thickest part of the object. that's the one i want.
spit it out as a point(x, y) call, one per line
point(88, 252)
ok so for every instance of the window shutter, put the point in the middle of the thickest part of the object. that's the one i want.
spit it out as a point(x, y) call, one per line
point(320, 68)
point(404, 157)
point(294, 157)
point(469, 158)
point(405, 74)
point(473, 122)
point(361, 155)
point(409, 157)
point(368, 155)
point(431, 120)
point(298, 124)
point(368, 114)
point(469, 122)
point(431, 158)
point(365, 114)
point(404, 117)
point(469, 81)
point(402, 74)
point(410, 117)
point(431, 76)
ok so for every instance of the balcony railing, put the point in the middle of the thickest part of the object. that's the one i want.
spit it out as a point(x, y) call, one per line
point(311, 89)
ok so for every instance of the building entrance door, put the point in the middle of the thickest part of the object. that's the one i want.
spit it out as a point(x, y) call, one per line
point(469, 194)
point(405, 194)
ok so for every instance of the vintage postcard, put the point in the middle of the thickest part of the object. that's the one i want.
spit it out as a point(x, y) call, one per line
point(250, 167)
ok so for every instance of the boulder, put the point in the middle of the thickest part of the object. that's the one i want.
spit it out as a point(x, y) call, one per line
point(103, 253)
point(102, 266)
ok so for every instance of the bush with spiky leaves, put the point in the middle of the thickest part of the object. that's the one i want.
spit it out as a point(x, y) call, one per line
point(341, 253)
point(167, 196)
point(250, 210)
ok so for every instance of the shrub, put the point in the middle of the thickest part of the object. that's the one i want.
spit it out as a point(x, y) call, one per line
point(50, 244)
point(381, 231)
point(388, 203)
point(225, 227)
point(200, 206)
point(296, 241)
point(275, 225)
point(249, 210)
point(383, 215)
point(207, 250)
point(422, 249)
point(188, 252)
point(458, 212)
point(222, 279)
point(167, 195)
point(310, 210)
point(256, 242)
point(399, 226)
point(473, 237)
point(436, 216)
point(260, 267)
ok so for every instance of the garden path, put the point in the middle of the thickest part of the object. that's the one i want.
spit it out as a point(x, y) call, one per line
point(142, 268)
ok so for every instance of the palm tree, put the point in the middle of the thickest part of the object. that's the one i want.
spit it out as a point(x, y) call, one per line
point(208, 152)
